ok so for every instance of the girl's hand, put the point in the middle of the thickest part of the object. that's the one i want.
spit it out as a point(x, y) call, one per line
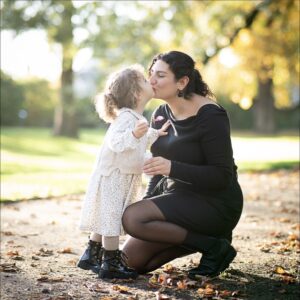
point(163, 130)
point(157, 166)
point(140, 129)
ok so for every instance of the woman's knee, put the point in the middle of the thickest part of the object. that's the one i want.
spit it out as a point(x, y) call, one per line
point(129, 220)
point(138, 214)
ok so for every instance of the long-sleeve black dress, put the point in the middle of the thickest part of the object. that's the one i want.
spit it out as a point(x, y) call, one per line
point(201, 193)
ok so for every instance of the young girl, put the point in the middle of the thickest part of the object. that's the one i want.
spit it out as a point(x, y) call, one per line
point(117, 173)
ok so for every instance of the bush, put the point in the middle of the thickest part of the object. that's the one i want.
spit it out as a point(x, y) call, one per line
point(12, 100)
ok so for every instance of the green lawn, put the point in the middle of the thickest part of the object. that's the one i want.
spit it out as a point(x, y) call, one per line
point(35, 164)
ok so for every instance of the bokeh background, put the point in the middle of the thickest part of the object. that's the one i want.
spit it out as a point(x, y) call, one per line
point(56, 55)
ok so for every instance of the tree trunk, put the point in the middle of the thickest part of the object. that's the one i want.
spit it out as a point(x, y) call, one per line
point(65, 121)
point(65, 117)
point(264, 118)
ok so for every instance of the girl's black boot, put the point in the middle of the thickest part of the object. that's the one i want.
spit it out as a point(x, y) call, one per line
point(114, 266)
point(91, 258)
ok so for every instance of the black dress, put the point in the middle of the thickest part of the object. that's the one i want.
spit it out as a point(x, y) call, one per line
point(202, 193)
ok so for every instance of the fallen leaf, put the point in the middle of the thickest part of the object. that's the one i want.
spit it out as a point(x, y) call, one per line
point(224, 293)
point(265, 249)
point(168, 268)
point(50, 280)
point(12, 253)
point(44, 252)
point(7, 233)
point(206, 292)
point(293, 237)
point(72, 262)
point(277, 235)
point(65, 250)
point(296, 226)
point(121, 289)
point(133, 298)
point(181, 285)
point(153, 279)
point(162, 279)
point(9, 268)
point(280, 270)
point(96, 287)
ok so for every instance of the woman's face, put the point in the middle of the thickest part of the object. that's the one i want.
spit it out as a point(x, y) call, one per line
point(163, 81)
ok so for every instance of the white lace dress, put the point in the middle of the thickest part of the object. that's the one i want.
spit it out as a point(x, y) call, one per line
point(107, 196)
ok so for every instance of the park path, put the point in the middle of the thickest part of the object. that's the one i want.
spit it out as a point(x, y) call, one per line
point(40, 244)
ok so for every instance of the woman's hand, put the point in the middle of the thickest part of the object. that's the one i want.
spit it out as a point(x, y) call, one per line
point(157, 166)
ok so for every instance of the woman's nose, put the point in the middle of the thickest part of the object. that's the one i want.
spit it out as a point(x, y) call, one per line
point(152, 80)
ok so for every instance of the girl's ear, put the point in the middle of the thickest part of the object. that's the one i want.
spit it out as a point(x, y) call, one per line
point(182, 82)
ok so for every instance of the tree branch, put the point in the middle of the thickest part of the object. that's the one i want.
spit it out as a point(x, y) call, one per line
point(249, 20)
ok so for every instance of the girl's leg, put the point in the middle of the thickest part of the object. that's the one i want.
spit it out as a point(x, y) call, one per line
point(96, 237)
point(91, 257)
point(113, 263)
point(110, 242)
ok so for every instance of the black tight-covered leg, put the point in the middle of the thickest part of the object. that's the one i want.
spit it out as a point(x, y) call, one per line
point(148, 256)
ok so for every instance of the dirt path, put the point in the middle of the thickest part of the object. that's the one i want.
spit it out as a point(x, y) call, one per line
point(40, 245)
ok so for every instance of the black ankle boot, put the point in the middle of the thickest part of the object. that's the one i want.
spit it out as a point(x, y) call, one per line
point(114, 266)
point(91, 258)
point(214, 261)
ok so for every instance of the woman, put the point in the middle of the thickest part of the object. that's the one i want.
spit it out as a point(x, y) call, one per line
point(193, 201)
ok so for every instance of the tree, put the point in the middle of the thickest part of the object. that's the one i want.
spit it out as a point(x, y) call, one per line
point(56, 18)
point(265, 34)
point(115, 37)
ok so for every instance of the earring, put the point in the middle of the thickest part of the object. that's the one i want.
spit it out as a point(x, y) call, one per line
point(180, 93)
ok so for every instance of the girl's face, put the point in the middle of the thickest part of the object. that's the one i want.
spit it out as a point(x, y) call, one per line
point(163, 81)
point(146, 89)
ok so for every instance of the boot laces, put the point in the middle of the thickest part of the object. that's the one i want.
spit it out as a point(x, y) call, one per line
point(122, 257)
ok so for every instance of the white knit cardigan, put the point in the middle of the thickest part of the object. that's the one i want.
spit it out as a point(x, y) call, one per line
point(120, 149)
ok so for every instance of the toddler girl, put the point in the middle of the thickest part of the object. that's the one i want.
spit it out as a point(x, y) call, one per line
point(116, 178)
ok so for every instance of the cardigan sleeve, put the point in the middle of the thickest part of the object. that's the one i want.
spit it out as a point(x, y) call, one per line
point(152, 136)
point(120, 137)
point(215, 141)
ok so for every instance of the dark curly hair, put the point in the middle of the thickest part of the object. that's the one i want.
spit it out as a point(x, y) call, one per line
point(182, 65)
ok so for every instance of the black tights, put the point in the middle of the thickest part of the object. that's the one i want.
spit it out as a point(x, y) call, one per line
point(156, 241)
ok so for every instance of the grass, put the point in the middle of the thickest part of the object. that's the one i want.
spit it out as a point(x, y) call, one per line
point(35, 164)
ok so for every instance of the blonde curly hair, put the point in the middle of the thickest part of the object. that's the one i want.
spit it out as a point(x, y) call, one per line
point(122, 89)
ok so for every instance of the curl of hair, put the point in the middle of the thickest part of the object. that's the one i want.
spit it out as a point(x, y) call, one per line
point(122, 90)
point(182, 65)
point(105, 107)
